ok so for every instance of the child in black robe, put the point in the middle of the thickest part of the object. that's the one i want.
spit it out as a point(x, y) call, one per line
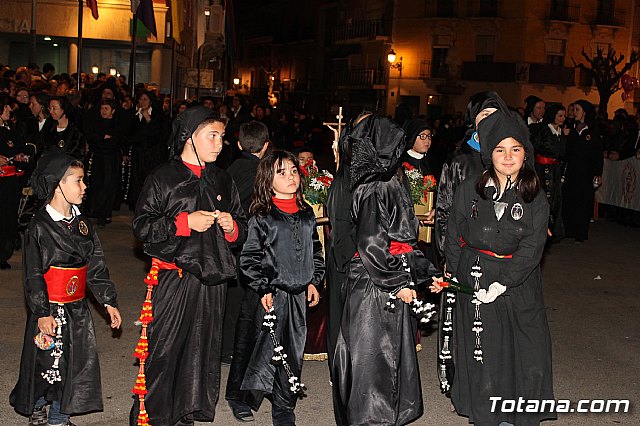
point(188, 214)
point(282, 262)
point(62, 256)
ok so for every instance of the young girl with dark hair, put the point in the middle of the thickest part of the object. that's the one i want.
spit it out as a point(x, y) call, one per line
point(282, 227)
point(497, 230)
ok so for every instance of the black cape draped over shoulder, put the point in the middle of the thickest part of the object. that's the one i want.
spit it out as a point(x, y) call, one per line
point(183, 367)
point(50, 243)
point(371, 338)
point(515, 340)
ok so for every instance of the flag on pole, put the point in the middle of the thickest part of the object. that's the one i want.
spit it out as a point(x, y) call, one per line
point(143, 9)
point(177, 19)
point(93, 5)
point(200, 27)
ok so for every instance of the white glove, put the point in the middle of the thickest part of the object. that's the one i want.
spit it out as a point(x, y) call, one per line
point(488, 296)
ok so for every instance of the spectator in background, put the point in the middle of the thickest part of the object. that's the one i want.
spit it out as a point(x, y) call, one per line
point(583, 171)
point(534, 111)
point(48, 71)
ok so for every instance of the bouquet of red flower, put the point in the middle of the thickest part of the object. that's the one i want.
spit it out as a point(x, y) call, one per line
point(420, 185)
point(316, 183)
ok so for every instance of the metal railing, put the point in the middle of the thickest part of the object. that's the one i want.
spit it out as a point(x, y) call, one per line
point(484, 8)
point(563, 11)
point(367, 29)
point(440, 9)
point(610, 18)
point(431, 70)
point(360, 77)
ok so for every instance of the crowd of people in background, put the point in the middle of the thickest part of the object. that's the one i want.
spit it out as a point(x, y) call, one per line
point(121, 134)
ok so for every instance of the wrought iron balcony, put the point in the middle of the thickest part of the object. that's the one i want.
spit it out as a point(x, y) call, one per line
point(368, 29)
point(431, 70)
point(484, 8)
point(563, 11)
point(609, 18)
point(360, 78)
point(440, 9)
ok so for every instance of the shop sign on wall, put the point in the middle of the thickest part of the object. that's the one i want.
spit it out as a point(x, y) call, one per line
point(8, 25)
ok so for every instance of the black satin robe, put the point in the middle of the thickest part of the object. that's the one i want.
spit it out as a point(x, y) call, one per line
point(515, 340)
point(183, 367)
point(372, 339)
point(282, 255)
point(464, 163)
point(584, 162)
point(70, 141)
point(49, 243)
point(549, 145)
point(11, 144)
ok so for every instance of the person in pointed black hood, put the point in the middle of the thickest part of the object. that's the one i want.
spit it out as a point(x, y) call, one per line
point(372, 338)
point(495, 240)
point(188, 215)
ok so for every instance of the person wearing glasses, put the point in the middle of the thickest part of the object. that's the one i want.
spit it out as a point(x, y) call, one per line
point(419, 136)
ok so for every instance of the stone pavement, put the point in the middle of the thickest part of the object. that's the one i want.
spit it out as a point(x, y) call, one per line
point(594, 327)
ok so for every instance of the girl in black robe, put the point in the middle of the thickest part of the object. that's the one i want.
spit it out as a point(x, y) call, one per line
point(60, 238)
point(188, 216)
point(495, 240)
point(64, 136)
point(372, 338)
point(282, 262)
point(584, 162)
point(549, 140)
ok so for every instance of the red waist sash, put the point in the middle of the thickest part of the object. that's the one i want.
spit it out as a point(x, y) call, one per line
point(546, 160)
point(66, 285)
point(10, 171)
point(396, 248)
point(487, 252)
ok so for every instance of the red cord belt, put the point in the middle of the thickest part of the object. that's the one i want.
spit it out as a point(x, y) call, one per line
point(546, 160)
point(10, 171)
point(396, 247)
point(487, 252)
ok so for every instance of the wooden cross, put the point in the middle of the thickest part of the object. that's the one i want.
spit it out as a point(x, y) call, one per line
point(339, 124)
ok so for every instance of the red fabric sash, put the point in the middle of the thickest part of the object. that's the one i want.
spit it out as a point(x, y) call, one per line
point(546, 160)
point(396, 248)
point(10, 171)
point(66, 285)
point(161, 264)
point(487, 252)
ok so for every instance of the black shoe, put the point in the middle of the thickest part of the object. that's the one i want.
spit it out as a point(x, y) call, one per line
point(241, 412)
point(4, 265)
point(38, 417)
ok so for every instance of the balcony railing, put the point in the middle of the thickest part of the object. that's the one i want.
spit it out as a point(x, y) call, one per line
point(368, 29)
point(431, 70)
point(552, 74)
point(503, 72)
point(563, 11)
point(484, 8)
point(440, 9)
point(360, 77)
point(610, 18)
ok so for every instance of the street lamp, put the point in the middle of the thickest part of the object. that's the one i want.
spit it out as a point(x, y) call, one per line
point(95, 69)
point(391, 57)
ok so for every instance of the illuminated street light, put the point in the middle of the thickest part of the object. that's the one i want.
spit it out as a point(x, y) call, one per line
point(391, 57)
point(207, 12)
point(95, 69)
point(113, 71)
point(236, 81)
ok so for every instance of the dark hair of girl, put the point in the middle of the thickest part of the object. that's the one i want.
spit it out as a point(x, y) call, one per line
point(526, 185)
point(261, 203)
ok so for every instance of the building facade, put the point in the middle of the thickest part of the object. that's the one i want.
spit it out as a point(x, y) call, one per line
point(451, 49)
